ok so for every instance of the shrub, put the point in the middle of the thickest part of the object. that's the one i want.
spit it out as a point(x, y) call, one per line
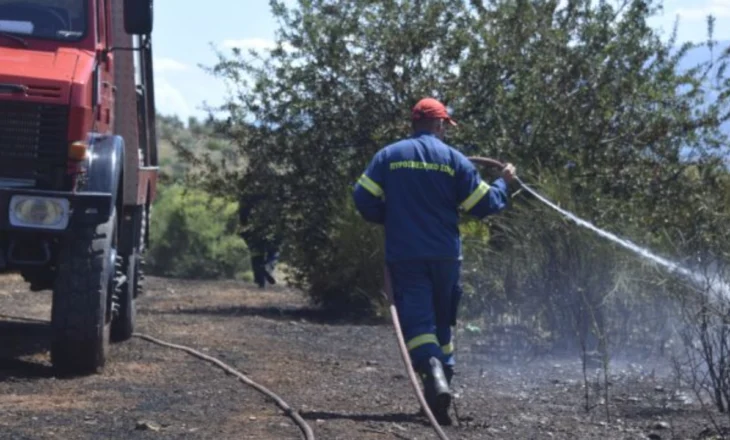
point(194, 235)
point(347, 273)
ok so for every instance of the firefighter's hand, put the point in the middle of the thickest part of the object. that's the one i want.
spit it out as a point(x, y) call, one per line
point(509, 172)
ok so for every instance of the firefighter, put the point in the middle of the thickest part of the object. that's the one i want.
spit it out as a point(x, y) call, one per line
point(417, 188)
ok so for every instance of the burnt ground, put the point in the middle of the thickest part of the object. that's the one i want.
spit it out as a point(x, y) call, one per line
point(346, 380)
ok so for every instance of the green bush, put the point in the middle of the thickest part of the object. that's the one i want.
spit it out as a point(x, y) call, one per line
point(347, 273)
point(194, 235)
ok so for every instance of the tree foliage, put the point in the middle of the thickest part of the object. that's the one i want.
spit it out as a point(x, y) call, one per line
point(585, 97)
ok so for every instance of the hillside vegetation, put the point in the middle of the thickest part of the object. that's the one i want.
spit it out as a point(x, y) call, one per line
point(194, 233)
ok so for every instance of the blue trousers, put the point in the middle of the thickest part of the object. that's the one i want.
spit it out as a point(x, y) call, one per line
point(427, 295)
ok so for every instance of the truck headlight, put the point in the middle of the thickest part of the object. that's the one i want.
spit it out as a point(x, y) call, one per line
point(39, 212)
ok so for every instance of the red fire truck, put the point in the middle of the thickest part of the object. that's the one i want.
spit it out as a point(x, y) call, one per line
point(78, 164)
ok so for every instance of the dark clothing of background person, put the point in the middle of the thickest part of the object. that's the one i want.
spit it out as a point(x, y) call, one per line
point(263, 248)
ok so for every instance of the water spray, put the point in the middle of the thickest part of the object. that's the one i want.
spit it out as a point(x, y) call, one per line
point(720, 287)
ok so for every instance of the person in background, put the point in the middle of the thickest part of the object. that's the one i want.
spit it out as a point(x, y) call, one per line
point(262, 245)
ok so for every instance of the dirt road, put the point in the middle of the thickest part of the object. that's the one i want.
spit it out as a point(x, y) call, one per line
point(346, 380)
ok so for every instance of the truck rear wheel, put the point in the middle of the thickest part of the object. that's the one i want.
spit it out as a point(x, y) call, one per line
point(81, 310)
point(125, 297)
point(146, 213)
point(123, 322)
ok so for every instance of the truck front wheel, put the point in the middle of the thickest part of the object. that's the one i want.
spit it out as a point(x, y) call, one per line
point(81, 310)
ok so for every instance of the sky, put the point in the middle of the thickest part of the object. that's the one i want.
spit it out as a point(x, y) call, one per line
point(184, 37)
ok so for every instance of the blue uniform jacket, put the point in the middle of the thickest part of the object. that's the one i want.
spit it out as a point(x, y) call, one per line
point(417, 188)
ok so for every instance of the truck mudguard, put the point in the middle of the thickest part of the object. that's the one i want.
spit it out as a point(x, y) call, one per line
point(105, 164)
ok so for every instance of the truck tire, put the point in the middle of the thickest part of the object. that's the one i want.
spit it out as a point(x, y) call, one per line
point(146, 213)
point(81, 310)
point(123, 322)
point(125, 312)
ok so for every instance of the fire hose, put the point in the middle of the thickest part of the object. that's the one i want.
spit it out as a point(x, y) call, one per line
point(388, 287)
point(289, 411)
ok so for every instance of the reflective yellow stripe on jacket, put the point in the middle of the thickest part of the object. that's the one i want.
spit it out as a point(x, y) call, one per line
point(475, 197)
point(370, 185)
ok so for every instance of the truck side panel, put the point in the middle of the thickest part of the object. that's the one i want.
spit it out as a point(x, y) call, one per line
point(125, 102)
point(147, 179)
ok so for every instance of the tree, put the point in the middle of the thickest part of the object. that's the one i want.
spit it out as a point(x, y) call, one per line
point(584, 94)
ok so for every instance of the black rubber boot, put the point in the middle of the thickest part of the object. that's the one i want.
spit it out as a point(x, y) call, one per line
point(270, 278)
point(259, 272)
point(449, 373)
point(436, 390)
